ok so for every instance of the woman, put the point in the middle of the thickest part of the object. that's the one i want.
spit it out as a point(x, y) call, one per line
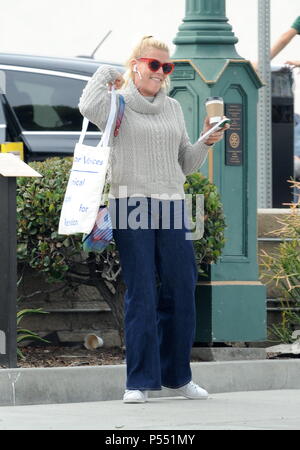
point(151, 156)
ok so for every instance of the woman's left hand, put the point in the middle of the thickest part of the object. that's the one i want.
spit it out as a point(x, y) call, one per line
point(217, 135)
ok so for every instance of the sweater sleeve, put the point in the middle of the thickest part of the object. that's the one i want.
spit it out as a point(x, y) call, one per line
point(94, 103)
point(191, 156)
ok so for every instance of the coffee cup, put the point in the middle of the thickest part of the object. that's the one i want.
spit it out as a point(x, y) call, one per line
point(215, 109)
point(92, 341)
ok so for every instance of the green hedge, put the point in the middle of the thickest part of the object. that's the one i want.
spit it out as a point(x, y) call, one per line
point(39, 202)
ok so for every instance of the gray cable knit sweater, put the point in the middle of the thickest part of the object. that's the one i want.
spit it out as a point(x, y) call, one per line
point(152, 154)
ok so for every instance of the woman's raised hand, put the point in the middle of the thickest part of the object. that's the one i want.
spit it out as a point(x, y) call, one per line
point(293, 63)
point(118, 83)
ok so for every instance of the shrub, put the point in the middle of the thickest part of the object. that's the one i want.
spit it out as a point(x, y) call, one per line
point(283, 267)
point(24, 334)
point(39, 202)
point(209, 248)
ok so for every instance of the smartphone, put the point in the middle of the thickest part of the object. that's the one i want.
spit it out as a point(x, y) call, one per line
point(216, 127)
point(224, 122)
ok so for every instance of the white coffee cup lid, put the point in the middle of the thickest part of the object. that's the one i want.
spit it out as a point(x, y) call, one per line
point(213, 99)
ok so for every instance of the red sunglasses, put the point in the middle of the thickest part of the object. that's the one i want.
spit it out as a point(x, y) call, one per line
point(154, 65)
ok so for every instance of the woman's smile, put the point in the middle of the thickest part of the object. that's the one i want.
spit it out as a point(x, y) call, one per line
point(159, 80)
point(148, 82)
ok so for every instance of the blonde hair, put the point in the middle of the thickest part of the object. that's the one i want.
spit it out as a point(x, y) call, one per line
point(145, 43)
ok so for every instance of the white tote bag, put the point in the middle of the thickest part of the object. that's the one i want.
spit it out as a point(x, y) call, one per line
point(87, 179)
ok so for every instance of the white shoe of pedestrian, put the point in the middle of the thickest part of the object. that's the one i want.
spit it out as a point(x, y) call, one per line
point(192, 391)
point(135, 396)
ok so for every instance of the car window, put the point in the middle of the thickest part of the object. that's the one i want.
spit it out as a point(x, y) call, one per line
point(45, 102)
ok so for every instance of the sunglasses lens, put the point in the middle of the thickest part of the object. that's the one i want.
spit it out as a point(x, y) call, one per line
point(154, 65)
point(167, 68)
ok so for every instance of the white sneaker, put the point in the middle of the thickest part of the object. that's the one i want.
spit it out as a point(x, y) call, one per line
point(135, 396)
point(192, 391)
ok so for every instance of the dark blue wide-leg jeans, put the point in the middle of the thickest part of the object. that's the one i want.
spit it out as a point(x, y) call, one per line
point(159, 270)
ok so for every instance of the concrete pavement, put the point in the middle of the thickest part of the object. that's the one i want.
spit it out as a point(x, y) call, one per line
point(257, 410)
point(262, 394)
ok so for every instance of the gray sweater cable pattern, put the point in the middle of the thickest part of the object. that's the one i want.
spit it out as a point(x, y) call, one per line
point(152, 154)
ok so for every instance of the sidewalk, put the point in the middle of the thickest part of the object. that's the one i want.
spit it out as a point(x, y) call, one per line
point(263, 410)
point(262, 394)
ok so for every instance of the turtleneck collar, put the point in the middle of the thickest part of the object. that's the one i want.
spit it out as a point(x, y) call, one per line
point(140, 104)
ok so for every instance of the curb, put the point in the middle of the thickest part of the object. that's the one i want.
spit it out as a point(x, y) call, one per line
point(92, 384)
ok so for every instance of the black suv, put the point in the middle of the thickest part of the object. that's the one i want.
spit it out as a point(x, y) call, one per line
point(40, 105)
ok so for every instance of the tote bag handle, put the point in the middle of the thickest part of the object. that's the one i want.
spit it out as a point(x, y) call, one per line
point(106, 135)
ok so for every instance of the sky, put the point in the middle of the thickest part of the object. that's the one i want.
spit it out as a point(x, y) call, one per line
point(75, 27)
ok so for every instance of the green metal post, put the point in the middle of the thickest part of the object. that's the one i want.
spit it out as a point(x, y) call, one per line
point(231, 305)
point(205, 32)
point(8, 273)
